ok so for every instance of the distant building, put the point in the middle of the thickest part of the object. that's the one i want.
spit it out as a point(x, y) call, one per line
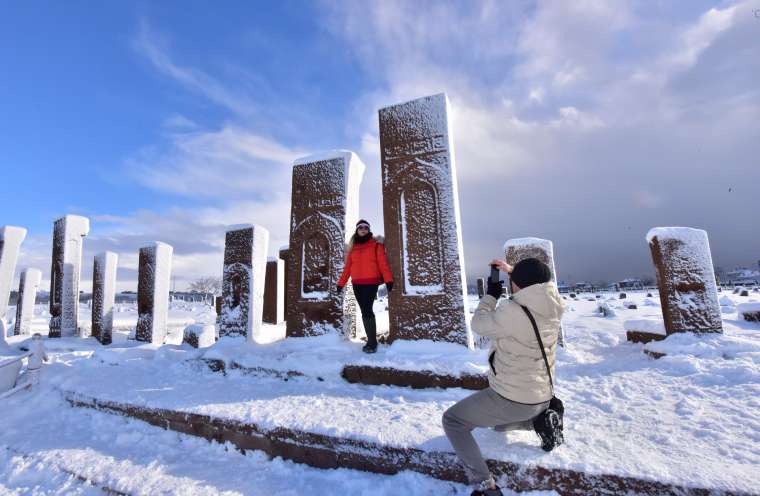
point(583, 287)
point(629, 284)
point(742, 276)
point(563, 287)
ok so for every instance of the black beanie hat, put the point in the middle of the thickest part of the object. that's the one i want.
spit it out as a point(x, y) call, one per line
point(530, 271)
point(362, 221)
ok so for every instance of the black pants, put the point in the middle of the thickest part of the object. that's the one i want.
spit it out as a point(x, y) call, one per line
point(365, 296)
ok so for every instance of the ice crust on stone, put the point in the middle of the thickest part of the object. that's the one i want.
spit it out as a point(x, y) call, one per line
point(526, 243)
point(689, 258)
point(104, 291)
point(29, 284)
point(11, 238)
point(68, 237)
point(157, 281)
point(419, 172)
point(238, 227)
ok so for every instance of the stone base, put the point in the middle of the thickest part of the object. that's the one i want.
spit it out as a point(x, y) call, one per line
point(323, 451)
point(751, 316)
point(221, 366)
point(643, 337)
point(416, 379)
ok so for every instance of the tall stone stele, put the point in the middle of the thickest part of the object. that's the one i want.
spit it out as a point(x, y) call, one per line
point(686, 279)
point(153, 280)
point(283, 254)
point(422, 224)
point(68, 237)
point(322, 217)
point(274, 292)
point(243, 279)
point(542, 249)
point(11, 238)
point(28, 285)
point(103, 295)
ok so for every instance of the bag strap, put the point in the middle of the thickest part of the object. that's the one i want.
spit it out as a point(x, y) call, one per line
point(540, 344)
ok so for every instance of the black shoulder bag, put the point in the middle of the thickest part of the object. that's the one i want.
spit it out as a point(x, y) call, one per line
point(549, 424)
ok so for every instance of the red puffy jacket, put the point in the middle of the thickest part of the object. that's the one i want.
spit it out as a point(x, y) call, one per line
point(366, 264)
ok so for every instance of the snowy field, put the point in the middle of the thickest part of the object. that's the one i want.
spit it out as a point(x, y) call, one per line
point(683, 419)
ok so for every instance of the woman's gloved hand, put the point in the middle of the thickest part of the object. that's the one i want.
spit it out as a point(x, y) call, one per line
point(389, 286)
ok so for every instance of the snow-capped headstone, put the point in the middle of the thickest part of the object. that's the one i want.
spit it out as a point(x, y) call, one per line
point(542, 249)
point(28, 284)
point(243, 280)
point(65, 271)
point(274, 292)
point(10, 244)
point(686, 279)
point(481, 287)
point(422, 223)
point(103, 295)
point(153, 280)
point(325, 207)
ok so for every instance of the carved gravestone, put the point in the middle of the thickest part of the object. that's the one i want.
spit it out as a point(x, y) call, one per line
point(10, 244)
point(481, 287)
point(243, 279)
point(68, 237)
point(28, 284)
point(422, 225)
point(153, 280)
point(103, 295)
point(323, 213)
point(274, 292)
point(542, 249)
point(283, 253)
point(686, 279)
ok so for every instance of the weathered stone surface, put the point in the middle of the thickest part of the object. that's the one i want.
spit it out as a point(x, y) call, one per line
point(283, 254)
point(686, 279)
point(422, 225)
point(103, 295)
point(11, 238)
point(245, 258)
point(481, 287)
point(28, 285)
point(154, 278)
point(415, 379)
point(323, 213)
point(68, 237)
point(274, 292)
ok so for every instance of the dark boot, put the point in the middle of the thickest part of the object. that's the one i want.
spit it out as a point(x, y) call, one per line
point(370, 327)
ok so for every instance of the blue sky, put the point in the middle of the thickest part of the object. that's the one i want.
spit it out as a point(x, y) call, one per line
point(590, 122)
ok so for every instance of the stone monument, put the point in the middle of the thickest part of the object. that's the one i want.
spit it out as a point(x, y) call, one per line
point(283, 253)
point(11, 238)
point(243, 279)
point(103, 295)
point(68, 237)
point(481, 286)
point(542, 249)
point(153, 280)
point(274, 292)
point(28, 284)
point(686, 279)
point(324, 209)
point(422, 225)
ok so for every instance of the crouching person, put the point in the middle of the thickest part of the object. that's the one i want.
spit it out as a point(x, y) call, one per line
point(37, 354)
point(518, 384)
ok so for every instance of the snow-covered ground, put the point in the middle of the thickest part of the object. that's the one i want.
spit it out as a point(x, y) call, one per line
point(683, 419)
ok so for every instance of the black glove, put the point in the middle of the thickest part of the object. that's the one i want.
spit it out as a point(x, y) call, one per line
point(495, 289)
point(389, 286)
point(338, 290)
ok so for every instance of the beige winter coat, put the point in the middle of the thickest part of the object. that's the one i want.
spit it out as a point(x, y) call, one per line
point(517, 371)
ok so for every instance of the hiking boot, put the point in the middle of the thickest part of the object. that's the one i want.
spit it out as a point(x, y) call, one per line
point(368, 348)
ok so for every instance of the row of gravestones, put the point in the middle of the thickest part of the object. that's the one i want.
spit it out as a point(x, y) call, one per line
point(423, 243)
point(685, 277)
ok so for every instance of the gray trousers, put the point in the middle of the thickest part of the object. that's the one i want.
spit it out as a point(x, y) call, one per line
point(484, 409)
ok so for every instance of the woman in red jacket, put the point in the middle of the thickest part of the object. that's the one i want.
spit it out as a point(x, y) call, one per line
point(367, 266)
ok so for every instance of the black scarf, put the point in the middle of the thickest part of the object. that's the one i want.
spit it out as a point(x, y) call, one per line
point(362, 239)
